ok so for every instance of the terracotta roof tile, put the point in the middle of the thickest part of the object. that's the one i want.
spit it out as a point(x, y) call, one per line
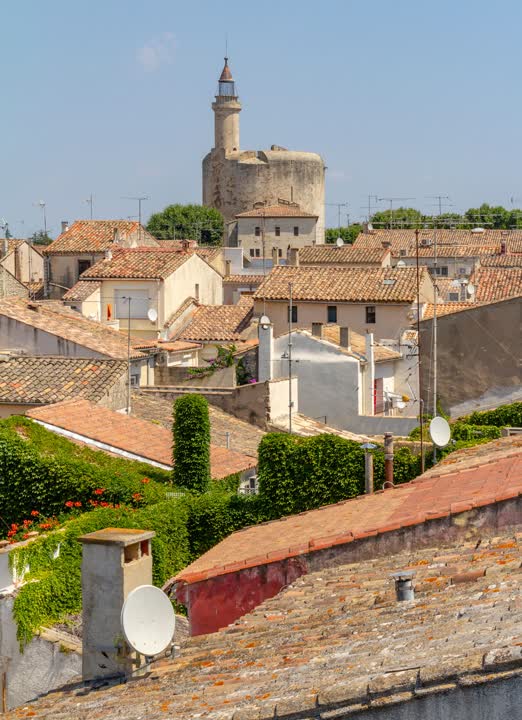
point(405, 238)
point(345, 255)
point(157, 263)
point(63, 322)
point(342, 284)
point(243, 279)
point(497, 283)
point(502, 260)
point(219, 322)
point(128, 433)
point(433, 493)
point(96, 236)
point(81, 290)
point(271, 211)
point(447, 308)
point(42, 380)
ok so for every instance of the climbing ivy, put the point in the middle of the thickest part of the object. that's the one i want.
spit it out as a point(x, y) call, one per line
point(191, 449)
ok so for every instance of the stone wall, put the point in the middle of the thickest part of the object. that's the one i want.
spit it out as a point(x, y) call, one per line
point(478, 357)
point(223, 378)
point(10, 286)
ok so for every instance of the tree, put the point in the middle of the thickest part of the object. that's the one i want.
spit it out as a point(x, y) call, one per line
point(489, 216)
point(348, 234)
point(188, 222)
point(40, 238)
point(191, 450)
point(398, 218)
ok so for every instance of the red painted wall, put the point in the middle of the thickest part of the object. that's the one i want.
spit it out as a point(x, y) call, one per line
point(219, 601)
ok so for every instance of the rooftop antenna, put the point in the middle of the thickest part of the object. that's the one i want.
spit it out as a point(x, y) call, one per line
point(148, 620)
point(41, 204)
point(139, 200)
point(89, 202)
point(370, 198)
point(391, 200)
point(338, 206)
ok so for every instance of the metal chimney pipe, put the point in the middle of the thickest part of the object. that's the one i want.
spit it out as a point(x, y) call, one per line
point(404, 589)
point(368, 473)
point(388, 459)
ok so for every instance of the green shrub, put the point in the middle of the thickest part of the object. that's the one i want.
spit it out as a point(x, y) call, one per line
point(503, 416)
point(465, 431)
point(191, 443)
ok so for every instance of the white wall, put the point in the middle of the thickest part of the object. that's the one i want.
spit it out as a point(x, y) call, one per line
point(248, 240)
point(279, 397)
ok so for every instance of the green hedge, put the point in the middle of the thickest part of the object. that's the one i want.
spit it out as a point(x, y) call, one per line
point(191, 443)
point(503, 416)
point(465, 431)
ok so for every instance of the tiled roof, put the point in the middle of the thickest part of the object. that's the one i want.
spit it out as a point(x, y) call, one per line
point(37, 380)
point(157, 263)
point(497, 283)
point(218, 322)
point(469, 250)
point(36, 289)
point(82, 290)
point(505, 260)
point(336, 644)
point(446, 308)
point(272, 211)
point(444, 492)
point(333, 255)
point(96, 236)
point(406, 238)
point(243, 279)
point(132, 435)
point(68, 324)
point(341, 284)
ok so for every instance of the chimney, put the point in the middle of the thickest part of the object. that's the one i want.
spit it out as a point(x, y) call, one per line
point(114, 562)
point(317, 329)
point(275, 257)
point(370, 375)
point(388, 460)
point(115, 235)
point(345, 339)
point(185, 245)
point(386, 244)
point(108, 254)
point(65, 225)
point(404, 589)
point(265, 370)
point(228, 266)
point(293, 257)
point(503, 247)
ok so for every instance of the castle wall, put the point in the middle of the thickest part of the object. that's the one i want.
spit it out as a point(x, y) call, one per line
point(233, 182)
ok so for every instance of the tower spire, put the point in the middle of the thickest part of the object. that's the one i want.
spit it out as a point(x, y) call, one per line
point(226, 108)
point(226, 84)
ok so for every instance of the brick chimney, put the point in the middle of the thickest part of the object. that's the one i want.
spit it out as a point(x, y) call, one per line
point(115, 561)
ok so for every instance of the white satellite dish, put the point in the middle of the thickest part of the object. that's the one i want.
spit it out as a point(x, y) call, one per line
point(264, 321)
point(339, 242)
point(148, 620)
point(152, 314)
point(401, 264)
point(471, 289)
point(440, 431)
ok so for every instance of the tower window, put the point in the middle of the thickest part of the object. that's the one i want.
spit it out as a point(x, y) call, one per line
point(252, 252)
point(296, 231)
point(277, 231)
point(370, 314)
point(280, 252)
point(258, 252)
point(257, 231)
point(331, 313)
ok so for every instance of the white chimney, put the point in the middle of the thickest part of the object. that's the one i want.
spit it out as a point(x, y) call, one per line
point(65, 225)
point(115, 561)
point(266, 349)
point(370, 375)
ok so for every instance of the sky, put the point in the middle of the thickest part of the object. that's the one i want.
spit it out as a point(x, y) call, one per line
point(402, 98)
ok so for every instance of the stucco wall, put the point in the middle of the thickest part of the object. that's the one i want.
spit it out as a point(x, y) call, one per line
point(478, 357)
point(63, 270)
point(14, 334)
point(224, 378)
point(248, 240)
point(233, 182)
point(28, 261)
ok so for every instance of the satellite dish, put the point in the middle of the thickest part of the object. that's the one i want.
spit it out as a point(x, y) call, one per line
point(455, 283)
point(471, 289)
point(440, 431)
point(339, 242)
point(401, 264)
point(148, 620)
point(264, 321)
point(152, 314)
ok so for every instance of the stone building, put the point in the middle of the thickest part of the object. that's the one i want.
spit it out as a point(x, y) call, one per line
point(235, 180)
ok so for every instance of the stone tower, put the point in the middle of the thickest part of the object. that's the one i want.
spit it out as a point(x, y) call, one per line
point(234, 180)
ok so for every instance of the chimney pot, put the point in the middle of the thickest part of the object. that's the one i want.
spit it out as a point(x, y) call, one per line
point(345, 338)
point(317, 329)
point(294, 257)
point(503, 247)
point(386, 244)
point(404, 589)
point(388, 460)
point(65, 225)
point(228, 265)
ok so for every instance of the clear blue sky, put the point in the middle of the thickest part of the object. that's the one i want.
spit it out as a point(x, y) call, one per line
point(404, 98)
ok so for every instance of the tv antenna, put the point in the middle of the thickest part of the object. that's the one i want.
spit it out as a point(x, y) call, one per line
point(89, 202)
point(338, 206)
point(41, 204)
point(148, 620)
point(440, 201)
point(391, 200)
point(139, 200)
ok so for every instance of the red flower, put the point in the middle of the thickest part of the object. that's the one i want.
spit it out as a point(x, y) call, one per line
point(137, 496)
point(69, 503)
point(25, 536)
point(146, 481)
point(104, 504)
point(27, 523)
point(94, 503)
point(77, 504)
point(99, 491)
point(11, 533)
point(45, 525)
point(34, 513)
point(14, 526)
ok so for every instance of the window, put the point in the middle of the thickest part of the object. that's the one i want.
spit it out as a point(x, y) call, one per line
point(258, 252)
point(294, 313)
point(454, 297)
point(257, 231)
point(277, 231)
point(440, 270)
point(83, 265)
point(280, 252)
point(370, 314)
point(139, 303)
point(252, 253)
point(196, 291)
point(296, 231)
point(331, 314)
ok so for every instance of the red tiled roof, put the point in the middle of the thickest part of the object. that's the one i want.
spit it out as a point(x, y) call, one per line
point(96, 236)
point(446, 308)
point(272, 211)
point(405, 238)
point(462, 482)
point(345, 255)
point(139, 437)
point(157, 263)
point(243, 279)
point(341, 284)
point(497, 283)
point(81, 290)
point(502, 260)
point(219, 322)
